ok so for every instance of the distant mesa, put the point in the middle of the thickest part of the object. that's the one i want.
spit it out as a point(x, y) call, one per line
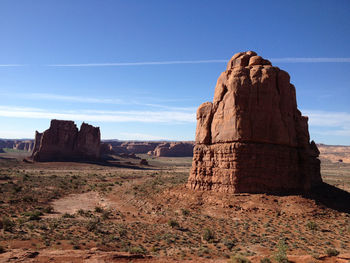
point(20, 145)
point(252, 138)
point(153, 148)
point(64, 142)
point(174, 149)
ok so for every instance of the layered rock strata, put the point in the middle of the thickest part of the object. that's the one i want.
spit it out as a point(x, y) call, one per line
point(252, 138)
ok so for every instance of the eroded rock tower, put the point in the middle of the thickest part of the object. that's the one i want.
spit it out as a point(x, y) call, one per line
point(252, 137)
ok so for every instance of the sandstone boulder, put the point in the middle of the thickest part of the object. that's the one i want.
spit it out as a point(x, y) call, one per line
point(63, 141)
point(252, 138)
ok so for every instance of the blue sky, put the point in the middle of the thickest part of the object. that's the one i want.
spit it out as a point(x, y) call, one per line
point(139, 69)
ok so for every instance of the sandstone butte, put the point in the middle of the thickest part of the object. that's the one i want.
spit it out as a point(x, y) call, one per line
point(252, 138)
point(64, 142)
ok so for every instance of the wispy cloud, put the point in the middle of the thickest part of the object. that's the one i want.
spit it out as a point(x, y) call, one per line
point(101, 116)
point(329, 123)
point(77, 99)
point(11, 65)
point(174, 62)
point(181, 62)
point(144, 63)
point(328, 118)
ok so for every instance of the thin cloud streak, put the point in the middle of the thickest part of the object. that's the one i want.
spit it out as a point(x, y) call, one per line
point(11, 65)
point(101, 116)
point(149, 63)
point(180, 62)
point(328, 119)
point(146, 63)
point(64, 98)
point(329, 123)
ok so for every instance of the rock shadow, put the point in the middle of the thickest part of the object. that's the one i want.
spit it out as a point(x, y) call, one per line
point(331, 197)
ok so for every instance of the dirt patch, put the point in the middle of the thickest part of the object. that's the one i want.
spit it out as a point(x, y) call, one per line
point(73, 203)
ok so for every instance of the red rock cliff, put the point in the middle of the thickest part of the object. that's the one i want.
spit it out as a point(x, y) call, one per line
point(252, 138)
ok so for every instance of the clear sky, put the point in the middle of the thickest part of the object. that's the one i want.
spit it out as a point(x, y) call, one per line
point(140, 68)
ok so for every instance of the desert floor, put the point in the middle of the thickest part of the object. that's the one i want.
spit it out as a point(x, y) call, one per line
point(120, 211)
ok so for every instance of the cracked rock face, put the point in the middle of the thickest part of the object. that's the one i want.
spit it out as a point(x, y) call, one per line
point(252, 138)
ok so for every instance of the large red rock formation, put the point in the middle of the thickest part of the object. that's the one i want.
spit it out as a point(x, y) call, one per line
point(252, 138)
point(63, 141)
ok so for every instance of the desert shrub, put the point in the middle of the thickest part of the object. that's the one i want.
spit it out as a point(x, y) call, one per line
point(332, 252)
point(81, 212)
point(311, 225)
point(122, 232)
point(7, 224)
point(106, 214)
point(229, 244)
point(208, 234)
point(48, 209)
point(76, 246)
point(185, 212)
point(281, 254)
point(238, 259)
point(138, 250)
point(99, 209)
point(85, 213)
point(66, 215)
point(92, 225)
point(34, 215)
point(173, 223)
point(265, 260)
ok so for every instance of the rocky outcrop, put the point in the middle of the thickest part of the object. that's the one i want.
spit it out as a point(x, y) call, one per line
point(176, 149)
point(63, 141)
point(252, 138)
